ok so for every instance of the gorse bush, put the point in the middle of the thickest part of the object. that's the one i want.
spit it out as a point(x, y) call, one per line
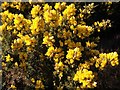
point(52, 45)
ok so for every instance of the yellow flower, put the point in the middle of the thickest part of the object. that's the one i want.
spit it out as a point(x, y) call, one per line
point(50, 51)
point(104, 58)
point(4, 5)
point(15, 32)
point(39, 85)
point(16, 64)
point(33, 80)
point(71, 61)
point(72, 27)
point(59, 21)
point(85, 77)
point(37, 25)
point(63, 5)
point(57, 6)
point(112, 55)
point(94, 84)
point(88, 44)
point(95, 23)
point(76, 77)
point(27, 40)
point(103, 63)
point(2, 27)
point(9, 27)
point(74, 54)
point(84, 31)
point(51, 15)
point(10, 16)
point(20, 35)
point(3, 64)
point(60, 64)
point(60, 75)
point(70, 54)
point(56, 60)
point(66, 34)
point(48, 40)
point(4, 16)
point(19, 41)
point(72, 21)
point(85, 65)
point(114, 62)
point(77, 53)
point(13, 87)
point(81, 15)
point(18, 19)
point(17, 44)
point(47, 7)
point(69, 11)
point(91, 44)
point(100, 24)
point(8, 58)
point(35, 10)
point(18, 7)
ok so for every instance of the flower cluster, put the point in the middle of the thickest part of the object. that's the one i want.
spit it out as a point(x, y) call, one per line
point(15, 5)
point(104, 58)
point(35, 11)
point(69, 11)
point(73, 54)
point(102, 25)
point(86, 11)
point(83, 31)
point(85, 77)
point(47, 42)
